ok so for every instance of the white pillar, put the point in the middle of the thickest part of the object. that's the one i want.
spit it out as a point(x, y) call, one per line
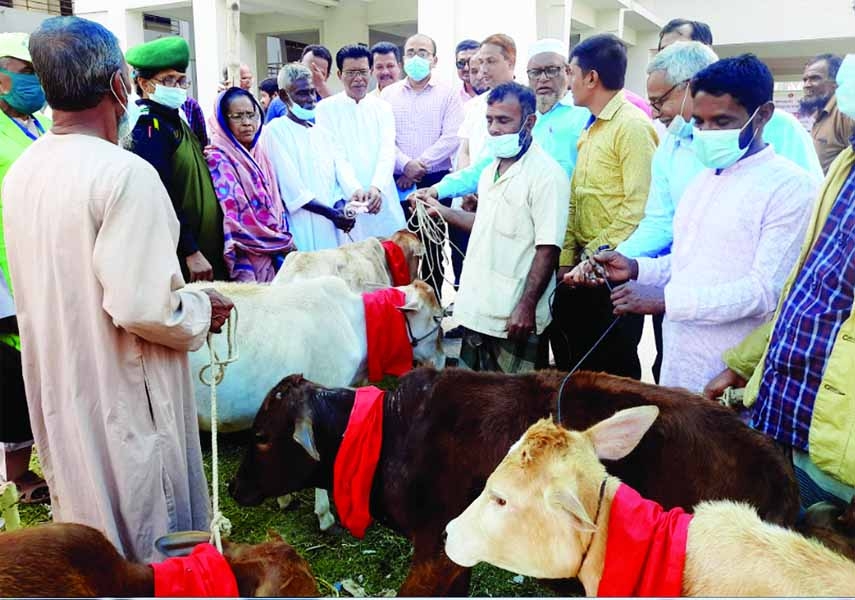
point(346, 24)
point(449, 21)
point(126, 25)
point(209, 35)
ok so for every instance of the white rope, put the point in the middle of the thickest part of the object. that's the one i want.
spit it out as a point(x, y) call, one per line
point(435, 230)
point(219, 523)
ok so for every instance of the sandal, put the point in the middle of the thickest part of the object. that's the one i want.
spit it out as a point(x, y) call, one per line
point(32, 489)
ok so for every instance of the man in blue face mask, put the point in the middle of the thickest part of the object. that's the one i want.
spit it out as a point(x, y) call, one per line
point(165, 140)
point(517, 233)
point(428, 114)
point(737, 230)
point(21, 97)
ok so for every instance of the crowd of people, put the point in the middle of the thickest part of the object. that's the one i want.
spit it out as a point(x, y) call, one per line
point(574, 209)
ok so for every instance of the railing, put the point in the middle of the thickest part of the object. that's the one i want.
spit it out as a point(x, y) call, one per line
point(52, 7)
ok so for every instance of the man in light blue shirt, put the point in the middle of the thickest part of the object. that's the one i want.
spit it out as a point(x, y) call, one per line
point(557, 129)
point(675, 165)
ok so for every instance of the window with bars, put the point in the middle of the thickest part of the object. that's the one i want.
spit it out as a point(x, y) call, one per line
point(51, 7)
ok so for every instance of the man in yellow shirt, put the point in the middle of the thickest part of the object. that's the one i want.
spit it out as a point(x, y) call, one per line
point(608, 193)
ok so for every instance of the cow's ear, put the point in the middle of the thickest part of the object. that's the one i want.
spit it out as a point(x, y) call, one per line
point(567, 500)
point(618, 435)
point(410, 306)
point(305, 436)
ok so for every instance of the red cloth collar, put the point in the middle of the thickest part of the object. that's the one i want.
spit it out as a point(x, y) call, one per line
point(356, 461)
point(398, 266)
point(389, 348)
point(203, 574)
point(646, 547)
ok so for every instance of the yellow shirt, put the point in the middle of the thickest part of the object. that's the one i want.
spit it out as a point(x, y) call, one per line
point(610, 184)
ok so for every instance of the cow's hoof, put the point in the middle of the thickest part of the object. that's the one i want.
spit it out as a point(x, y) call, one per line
point(335, 530)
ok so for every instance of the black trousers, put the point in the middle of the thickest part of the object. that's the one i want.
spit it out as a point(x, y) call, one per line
point(657, 335)
point(457, 236)
point(580, 317)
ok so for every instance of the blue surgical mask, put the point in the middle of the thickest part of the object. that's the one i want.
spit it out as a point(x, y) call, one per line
point(26, 95)
point(720, 148)
point(417, 68)
point(846, 86)
point(170, 97)
point(678, 126)
point(506, 145)
point(304, 114)
point(129, 118)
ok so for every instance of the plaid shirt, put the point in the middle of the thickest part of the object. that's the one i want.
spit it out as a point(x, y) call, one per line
point(804, 334)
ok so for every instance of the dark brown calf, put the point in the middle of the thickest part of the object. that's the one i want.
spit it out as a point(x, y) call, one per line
point(445, 432)
point(832, 525)
point(72, 560)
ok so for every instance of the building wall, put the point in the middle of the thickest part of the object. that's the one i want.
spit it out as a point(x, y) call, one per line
point(13, 19)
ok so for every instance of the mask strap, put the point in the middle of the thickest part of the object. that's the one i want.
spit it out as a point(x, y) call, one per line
point(754, 129)
point(685, 95)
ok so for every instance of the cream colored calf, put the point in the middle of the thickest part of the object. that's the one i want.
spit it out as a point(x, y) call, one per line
point(536, 517)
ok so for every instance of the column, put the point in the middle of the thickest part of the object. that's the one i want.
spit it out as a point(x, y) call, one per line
point(449, 21)
point(209, 42)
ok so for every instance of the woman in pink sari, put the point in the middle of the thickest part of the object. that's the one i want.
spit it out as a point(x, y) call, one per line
point(254, 221)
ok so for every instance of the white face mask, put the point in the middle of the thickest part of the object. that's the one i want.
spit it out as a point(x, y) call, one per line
point(846, 86)
point(719, 148)
point(170, 97)
point(506, 145)
point(678, 126)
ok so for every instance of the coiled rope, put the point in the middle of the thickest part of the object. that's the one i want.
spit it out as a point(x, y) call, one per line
point(432, 229)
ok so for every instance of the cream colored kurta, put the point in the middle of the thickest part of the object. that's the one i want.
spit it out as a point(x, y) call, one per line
point(524, 208)
point(105, 330)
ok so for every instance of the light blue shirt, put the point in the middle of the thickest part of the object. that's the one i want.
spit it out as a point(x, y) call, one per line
point(557, 132)
point(674, 166)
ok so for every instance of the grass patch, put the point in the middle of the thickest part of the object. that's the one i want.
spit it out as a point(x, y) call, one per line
point(379, 563)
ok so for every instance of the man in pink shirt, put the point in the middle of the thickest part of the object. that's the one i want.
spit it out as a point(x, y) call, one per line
point(464, 51)
point(428, 115)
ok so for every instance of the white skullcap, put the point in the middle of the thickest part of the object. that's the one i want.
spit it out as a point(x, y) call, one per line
point(548, 45)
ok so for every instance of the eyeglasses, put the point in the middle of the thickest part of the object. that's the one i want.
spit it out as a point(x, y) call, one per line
point(172, 82)
point(550, 72)
point(358, 73)
point(421, 53)
point(463, 63)
point(241, 117)
point(657, 104)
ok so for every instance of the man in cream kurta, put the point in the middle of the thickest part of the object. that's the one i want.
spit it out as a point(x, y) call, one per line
point(105, 329)
point(363, 127)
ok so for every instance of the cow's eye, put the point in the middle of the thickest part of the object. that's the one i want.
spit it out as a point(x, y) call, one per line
point(498, 499)
point(261, 438)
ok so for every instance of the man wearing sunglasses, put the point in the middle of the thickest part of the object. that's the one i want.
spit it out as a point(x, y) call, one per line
point(164, 139)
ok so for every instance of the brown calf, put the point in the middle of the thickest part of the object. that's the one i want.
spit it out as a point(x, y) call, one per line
point(445, 431)
point(72, 560)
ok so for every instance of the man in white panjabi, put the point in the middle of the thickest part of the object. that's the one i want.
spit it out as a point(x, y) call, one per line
point(314, 178)
point(105, 324)
point(363, 126)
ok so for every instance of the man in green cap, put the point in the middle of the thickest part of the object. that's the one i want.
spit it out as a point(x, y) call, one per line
point(21, 97)
point(163, 139)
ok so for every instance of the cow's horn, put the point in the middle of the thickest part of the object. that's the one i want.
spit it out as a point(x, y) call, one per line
point(304, 436)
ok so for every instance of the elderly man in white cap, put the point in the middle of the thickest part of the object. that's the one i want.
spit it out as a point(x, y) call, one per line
point(557, 129)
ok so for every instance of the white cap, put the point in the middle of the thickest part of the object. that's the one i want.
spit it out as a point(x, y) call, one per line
point(548, 45)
